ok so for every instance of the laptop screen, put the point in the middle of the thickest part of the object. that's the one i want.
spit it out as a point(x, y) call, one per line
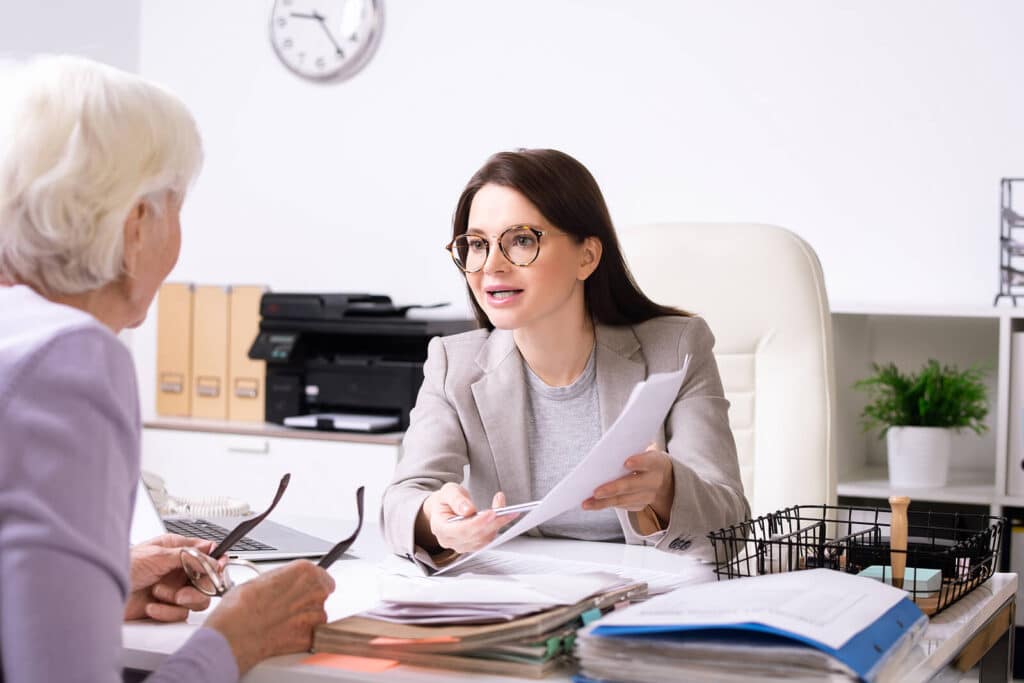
point(146, 522)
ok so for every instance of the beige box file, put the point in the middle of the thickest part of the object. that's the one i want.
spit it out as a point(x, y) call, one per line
point(210, 352)
point(174, 350)
point(246, 377)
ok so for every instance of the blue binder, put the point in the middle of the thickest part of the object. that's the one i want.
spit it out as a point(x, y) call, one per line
point(865, 653)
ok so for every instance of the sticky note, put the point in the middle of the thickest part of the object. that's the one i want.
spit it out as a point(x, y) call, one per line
point(350, 662)
point(921, 581)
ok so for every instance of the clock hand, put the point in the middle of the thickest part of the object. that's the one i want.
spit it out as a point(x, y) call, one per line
point(330, 36)
point(300, 15)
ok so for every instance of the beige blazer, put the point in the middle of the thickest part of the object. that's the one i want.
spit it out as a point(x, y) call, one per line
point(471, 410)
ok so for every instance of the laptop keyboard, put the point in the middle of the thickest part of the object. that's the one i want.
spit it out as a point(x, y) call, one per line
point(200, 528)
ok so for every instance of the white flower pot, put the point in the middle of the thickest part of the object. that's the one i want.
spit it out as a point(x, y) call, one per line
point(919, 456)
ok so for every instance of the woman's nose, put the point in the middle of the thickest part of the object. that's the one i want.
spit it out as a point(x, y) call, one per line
point(496, 261)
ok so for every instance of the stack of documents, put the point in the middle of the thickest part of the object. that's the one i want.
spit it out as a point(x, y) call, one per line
point(520, 625)
point(811, 625)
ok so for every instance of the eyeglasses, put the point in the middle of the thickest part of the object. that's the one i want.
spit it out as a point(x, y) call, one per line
point(211, 578)
point(520, 244)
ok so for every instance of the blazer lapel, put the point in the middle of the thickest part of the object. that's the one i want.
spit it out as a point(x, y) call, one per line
point(619, 368)
point(501, 399)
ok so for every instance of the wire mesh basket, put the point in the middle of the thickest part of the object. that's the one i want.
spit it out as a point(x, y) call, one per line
point(964, 548)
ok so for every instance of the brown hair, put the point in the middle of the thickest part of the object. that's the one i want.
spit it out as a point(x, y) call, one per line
point(567, 195)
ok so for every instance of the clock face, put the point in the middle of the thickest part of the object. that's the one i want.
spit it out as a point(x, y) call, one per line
point(325, 39)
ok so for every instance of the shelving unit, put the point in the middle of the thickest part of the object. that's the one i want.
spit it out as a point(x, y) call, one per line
point(1011, 243)
point(909, 336)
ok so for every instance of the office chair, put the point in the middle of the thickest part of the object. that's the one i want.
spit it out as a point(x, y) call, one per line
point(761, 290)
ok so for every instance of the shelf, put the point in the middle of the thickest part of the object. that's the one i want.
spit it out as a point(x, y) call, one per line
point(976, 488)
point(268, 429)
point(924, 311)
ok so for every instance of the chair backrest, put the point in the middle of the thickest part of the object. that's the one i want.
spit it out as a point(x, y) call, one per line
point(762, 292)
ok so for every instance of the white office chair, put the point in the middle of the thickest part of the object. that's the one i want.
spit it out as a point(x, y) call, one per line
point(762, 292)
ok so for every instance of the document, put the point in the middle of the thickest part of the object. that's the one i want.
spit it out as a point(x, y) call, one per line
point(820, 605)
point(498, 562)
point(632, 431)
point(538, 589)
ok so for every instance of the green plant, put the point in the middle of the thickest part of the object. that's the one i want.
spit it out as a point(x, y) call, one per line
point(937, 396)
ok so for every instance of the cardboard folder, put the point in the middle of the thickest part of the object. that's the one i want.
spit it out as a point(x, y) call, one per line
point(174, 350)
point(246, 377)
point(210, 352)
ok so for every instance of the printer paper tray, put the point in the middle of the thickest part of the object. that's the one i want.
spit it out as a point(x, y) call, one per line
point(349, 422)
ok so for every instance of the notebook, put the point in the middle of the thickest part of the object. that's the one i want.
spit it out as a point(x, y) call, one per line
point(267, 542)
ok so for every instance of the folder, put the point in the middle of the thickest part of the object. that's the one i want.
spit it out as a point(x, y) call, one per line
point(246, 377)
point(210, 352)
point(778, 625)
point(174, 350)
point(530, 645)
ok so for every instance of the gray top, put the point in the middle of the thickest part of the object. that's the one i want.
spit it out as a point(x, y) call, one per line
point(564, 423)
point(69, 463)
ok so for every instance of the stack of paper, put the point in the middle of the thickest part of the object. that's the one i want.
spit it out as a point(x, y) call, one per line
point(811, 625)
point(519, 625)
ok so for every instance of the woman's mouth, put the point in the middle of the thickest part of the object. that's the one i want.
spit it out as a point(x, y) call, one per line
point(499, 297)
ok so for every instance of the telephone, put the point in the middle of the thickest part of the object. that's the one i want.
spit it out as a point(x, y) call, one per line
point(205, 506)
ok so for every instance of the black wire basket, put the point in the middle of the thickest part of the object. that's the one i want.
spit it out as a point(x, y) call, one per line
point(963, 547)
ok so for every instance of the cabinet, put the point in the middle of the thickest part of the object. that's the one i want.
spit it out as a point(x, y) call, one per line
point(909, 337)
point(246, 461)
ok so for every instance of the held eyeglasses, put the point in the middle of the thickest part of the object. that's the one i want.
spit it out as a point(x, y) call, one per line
point(520, 244)
point(212, 578)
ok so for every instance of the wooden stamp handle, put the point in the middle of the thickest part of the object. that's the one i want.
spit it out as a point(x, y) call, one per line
point(898, 538)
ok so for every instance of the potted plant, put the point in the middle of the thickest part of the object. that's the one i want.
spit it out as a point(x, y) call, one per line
point(917, 413)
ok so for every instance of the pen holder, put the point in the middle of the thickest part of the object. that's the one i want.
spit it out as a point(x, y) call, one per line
point(964, 548)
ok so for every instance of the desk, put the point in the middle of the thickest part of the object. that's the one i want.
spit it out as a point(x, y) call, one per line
point(973, 622)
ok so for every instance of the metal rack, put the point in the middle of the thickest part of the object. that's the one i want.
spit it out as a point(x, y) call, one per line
point(964, 547)
point(1011, 248)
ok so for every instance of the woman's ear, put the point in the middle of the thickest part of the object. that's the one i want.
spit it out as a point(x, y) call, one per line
point(590, 257)
point(133, 232)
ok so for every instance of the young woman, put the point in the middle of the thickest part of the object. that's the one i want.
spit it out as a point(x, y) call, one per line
point(566, 335)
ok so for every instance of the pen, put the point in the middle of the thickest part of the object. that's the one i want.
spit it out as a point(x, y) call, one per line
point(499, 512)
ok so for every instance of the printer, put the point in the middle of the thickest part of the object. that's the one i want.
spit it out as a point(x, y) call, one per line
point(343, 361)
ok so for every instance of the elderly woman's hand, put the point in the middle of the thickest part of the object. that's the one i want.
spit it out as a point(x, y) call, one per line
point(651, 482)
point(159, 588)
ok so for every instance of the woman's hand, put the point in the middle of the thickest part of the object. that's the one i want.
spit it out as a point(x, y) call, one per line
point(274, 613)
point(650, 483)
point(159, 588)
point(466, 536)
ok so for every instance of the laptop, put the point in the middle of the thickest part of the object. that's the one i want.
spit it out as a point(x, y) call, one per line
point(267, 542)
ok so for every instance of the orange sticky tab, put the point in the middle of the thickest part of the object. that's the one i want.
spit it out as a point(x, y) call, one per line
point(368, 665)
point(408, 641)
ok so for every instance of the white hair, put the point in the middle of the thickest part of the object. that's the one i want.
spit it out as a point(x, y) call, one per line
point(81, 144)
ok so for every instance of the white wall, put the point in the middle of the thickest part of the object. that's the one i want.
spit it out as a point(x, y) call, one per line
point(105, 30)
point(876, 130)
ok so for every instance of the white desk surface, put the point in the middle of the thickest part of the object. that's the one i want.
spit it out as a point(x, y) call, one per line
point(146, 644)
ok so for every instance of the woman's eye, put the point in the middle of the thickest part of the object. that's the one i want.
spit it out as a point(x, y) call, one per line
point(477, 245)
point(524, 241)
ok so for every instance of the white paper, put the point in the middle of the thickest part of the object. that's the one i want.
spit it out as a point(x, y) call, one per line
point(538, 589)
point(497, 562)
point(632, 431)
point(820, 604)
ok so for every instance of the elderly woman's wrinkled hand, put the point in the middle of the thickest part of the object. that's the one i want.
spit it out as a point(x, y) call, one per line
point(159, 588)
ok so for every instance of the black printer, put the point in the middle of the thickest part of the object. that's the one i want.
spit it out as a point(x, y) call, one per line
point(343, 361)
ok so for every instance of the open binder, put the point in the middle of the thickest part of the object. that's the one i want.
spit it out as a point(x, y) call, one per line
point(877, 628)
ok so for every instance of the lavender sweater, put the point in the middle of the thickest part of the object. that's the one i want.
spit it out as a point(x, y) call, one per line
point(69, 462)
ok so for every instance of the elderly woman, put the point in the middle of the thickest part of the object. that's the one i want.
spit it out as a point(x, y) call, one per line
point(92, 177)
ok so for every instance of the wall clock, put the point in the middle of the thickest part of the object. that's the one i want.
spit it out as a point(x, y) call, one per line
point(326, 40)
